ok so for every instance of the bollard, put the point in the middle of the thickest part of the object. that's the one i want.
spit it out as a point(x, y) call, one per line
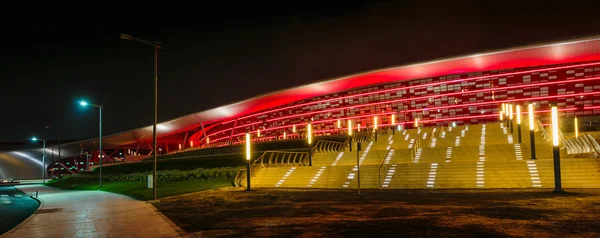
point(36, 194)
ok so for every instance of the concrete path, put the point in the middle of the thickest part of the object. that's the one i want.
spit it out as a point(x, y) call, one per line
point(91, 214)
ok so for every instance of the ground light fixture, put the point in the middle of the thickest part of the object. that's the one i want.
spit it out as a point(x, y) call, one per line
point(519, 122)
point(309, 140)
point(35, 139)
point(84, 103)
point(531, 130)
point(556, 149)
point(248, 157)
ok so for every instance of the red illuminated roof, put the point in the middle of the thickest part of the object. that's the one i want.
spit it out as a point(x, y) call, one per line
point(579, 50)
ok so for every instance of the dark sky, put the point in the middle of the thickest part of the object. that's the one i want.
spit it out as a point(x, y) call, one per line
point(218, 54)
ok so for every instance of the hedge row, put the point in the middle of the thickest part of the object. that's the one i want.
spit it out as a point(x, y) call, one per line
point(166, 175)
point(176, 164)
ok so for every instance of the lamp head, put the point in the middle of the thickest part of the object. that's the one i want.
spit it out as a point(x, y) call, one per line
point(34, 139)
point(83, 103)
point(125, 37)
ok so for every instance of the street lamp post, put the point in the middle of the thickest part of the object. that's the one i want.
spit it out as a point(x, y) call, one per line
point(531, 132)
point(100, 154)
point(43, 158)
point(556, 149)
point(393, 124)
point(156, 46)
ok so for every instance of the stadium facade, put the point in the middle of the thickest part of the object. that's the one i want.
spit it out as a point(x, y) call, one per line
point(461, 90)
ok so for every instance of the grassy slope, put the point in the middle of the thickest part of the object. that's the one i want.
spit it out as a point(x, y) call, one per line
point(139, 190)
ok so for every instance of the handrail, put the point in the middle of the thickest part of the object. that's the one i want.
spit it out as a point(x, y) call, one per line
point(272, 159)
point(329, 146)
point(541, 128)
point(385, 164)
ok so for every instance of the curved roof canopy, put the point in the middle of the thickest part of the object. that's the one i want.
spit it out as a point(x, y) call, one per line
point(578, 50)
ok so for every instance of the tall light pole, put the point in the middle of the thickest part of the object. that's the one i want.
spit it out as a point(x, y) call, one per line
point(519, 122)
point(43, 158)
point(100, 154)
point(556, 149)
point(248, 157)
point(531, 133)
point(156, 46)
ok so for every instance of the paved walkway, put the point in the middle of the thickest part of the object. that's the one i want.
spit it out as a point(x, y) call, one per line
point(91, 214)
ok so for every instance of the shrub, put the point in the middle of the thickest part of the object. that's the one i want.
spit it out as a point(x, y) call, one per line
point(165, 175)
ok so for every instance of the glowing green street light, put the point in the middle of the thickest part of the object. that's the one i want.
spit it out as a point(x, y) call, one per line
point(34, 139)
point(100, 154)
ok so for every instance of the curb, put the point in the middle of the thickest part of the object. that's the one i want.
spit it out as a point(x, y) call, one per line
point(180, 231)
point(26, 220)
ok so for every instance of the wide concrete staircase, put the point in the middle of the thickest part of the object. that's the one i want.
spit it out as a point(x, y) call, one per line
point(473, 156)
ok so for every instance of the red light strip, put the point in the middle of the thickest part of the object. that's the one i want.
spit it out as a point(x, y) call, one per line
point(436, 96)
point(443, 107)
point(501, 101)
point(446, 119)
point(422, 85)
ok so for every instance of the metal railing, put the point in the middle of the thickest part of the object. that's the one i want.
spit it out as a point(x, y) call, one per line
point(271, 159)
point(329, 146)
point(385, 165)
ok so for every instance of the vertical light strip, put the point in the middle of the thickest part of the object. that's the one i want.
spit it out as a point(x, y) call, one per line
point(247, 146)
point(393, 119)
point(375, 123)
point(554, 126)
point(576, 127)
point(309, 129)
point(519, 114)
point(284, 135)
point(339, 124)
point(510, 111)
point(294, 129)
point(349, 127)
point(530, 109)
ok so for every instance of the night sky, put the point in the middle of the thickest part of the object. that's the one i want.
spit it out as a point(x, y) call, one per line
point(219, 54)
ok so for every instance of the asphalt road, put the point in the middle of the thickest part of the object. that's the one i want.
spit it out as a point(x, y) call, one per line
point(15, 206)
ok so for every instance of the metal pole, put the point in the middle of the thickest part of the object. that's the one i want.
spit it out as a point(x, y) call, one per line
point(532, 139)
point(519, 132)
point(100, 154)
point(44, 162)
point(59, 145)
point(155, 116)
point(248, 175)
point(358, 167)
point(557, 178)
point(309, 155)
point(511, 127)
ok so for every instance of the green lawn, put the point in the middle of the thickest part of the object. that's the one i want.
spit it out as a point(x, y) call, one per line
point(139, 190)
